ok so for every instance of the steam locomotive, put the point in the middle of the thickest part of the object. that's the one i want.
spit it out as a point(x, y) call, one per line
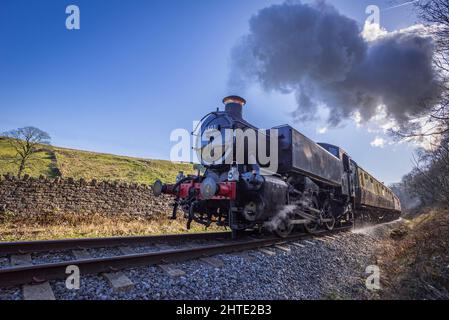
point(314, 185)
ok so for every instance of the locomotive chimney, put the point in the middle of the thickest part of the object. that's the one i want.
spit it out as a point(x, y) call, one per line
point(234, 106)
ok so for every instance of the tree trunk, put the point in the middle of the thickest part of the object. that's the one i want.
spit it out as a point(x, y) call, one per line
point(21, 167)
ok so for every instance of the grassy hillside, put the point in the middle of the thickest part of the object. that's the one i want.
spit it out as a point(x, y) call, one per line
point(40, 164)
point(417, 259)
point(90, 165)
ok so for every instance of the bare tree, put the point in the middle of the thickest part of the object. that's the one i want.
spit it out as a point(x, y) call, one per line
point(429, 180)
point(25, 142)
point(434, 121)
point(435, 14)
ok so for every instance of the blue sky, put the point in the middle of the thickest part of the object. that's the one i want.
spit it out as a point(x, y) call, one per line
point(138, 69)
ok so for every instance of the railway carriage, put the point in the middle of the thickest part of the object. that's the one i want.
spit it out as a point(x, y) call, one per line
point(315, 185)
point(374, 197)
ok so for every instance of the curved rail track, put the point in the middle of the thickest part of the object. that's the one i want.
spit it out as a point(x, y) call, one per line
point(39, 273)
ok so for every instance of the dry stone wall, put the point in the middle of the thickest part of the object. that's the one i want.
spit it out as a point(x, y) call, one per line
point(32, 196)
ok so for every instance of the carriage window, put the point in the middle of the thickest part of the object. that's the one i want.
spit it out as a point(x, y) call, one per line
point(371, 184)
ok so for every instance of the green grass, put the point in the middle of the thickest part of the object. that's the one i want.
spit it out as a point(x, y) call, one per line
point(90, 165)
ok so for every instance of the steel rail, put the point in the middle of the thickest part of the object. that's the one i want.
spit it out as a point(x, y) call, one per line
point(43, 272)
point(23, 247)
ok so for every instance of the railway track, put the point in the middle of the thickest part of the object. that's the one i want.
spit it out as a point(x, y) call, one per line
point(23, 247)
point(12, 276)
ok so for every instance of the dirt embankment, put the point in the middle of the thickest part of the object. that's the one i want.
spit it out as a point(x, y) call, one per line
point(416, 258)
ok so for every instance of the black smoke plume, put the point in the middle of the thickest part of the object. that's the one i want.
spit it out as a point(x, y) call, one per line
point(320, 55)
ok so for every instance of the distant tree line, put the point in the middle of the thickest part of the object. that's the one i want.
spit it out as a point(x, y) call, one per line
point(429, 180)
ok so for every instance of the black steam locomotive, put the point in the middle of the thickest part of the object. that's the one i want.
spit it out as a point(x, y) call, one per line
point(314, 186)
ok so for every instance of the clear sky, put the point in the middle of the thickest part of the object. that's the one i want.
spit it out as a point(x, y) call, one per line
point(138, 69)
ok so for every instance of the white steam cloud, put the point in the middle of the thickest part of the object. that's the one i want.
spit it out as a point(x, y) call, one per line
point(378, 142)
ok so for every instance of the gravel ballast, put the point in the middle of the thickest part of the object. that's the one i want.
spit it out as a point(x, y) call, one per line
point(320, 269)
